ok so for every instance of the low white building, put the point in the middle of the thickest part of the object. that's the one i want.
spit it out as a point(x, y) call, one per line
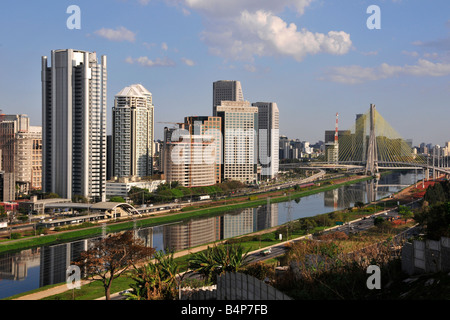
point(121, 189)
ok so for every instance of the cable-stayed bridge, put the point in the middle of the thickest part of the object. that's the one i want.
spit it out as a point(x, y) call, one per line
point(372, 144)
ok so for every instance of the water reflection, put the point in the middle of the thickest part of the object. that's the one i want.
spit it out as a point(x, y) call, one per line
point(34, 268)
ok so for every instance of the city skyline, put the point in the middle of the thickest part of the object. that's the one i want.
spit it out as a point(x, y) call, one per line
point(313, 58)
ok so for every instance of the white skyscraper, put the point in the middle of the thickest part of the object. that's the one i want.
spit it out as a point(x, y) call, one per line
point(226, 90)
point(74, 124)
point(268, 138)
point(239, 128)
point(133, 130)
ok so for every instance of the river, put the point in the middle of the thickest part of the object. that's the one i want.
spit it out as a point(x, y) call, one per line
point(33, 268)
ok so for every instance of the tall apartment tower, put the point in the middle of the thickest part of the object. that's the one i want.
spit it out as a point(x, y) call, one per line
point(186, 158)
point(268, 138)
point(74, 124)
point(133, 131)
point(211, 126)
point(226, 90)
point(240, 143)
point(21, 146)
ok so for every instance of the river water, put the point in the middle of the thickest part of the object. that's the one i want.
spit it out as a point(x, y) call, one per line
point(33, 268)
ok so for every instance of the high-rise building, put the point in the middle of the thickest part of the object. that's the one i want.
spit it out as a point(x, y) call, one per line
point(133, 130)
point(226, 90)
point(74, 124)
point(28, 172)
point(210, 126)
point(268, 138)
point(21, 146)
point(7, 187)
point(240, 143)
point(186, 158)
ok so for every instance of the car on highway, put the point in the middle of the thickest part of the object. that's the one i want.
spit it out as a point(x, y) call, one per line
point(266, 252)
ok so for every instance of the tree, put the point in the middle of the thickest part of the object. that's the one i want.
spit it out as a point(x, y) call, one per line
point(80, 199)
point(436, 220)
point(110, 257)
point(117, 199)
point(156, 280)
point(405, 212)
point(218, 260)
point(359, 204)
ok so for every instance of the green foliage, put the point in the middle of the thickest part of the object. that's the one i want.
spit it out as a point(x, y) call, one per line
point(117, 199)
point(359, 204)
point(438, 193)
point(16, 235)
point(219, 259)
point(436, 219)
point(405, 212)
point(155, 280)
point(260, 270)
point(79, 198)
point(50, 195)
point(167, 192)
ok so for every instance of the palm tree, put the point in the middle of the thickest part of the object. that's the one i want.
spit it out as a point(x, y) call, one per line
point(203, 263)
point(147, 284)
point(156, 280)
point(218, 260)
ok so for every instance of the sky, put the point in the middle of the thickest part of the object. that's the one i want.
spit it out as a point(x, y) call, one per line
point(314, 58)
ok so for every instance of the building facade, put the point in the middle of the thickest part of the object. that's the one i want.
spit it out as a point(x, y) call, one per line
point(268, 138)
point(133, 131)
point(226, 90)
point(239, 147)
point(187, 159)
point(122, 187)
point(21, 151)
point(74, 124)
point(210, 126)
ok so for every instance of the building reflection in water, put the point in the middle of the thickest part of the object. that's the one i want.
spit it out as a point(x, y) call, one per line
point(14, 266)
point(200, 231)
point(55, 260)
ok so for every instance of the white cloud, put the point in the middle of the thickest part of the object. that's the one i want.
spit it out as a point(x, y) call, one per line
point(188, 62)
point(410, 53)
point(357, 74)
point(232, 8)
point(264, 34)
point(164, 46)
point(146, 62)
point(120, 34)
point(244, 29)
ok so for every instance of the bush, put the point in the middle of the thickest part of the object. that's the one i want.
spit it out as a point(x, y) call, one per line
point(16, 235)
point(260, 270)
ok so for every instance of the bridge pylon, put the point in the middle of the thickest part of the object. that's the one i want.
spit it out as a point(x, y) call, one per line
point(372, 154)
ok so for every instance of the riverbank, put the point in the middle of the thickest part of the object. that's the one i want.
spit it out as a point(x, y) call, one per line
point(402, 196)
point(210, 209)
point(61, 291)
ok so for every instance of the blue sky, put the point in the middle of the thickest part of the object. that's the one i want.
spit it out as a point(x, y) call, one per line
point(312, 57)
